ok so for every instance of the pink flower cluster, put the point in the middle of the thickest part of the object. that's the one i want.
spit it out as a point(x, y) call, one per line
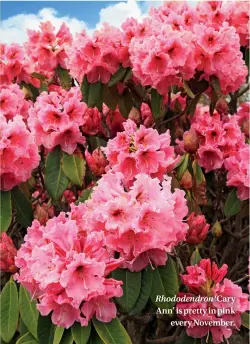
point(206, 280)
point(55, 119)
point(96, 161)
point(142, 150)
point(218, 138)
point(198, 229)
point(12, 102)
point(18, 153)
point(142, 223)
point(65, 268)
point(46, 49)
point(98, 57)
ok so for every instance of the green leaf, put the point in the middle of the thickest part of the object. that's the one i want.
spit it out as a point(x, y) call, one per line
point(245, 320)
point(125, 103)
point(118, 76)
point(198, 172)
point(58, 335)
point(29, 90)
point(43, 87)
point(128, 74)
point(74, 168)
point(84, 196)
point(95, 97)
point(94, 338)
point(215, 84)
point(112, 332)
point(146, 284)
point(156, 103)
point(192, 103)
point(5, 210)
point(110, 97)
point(9, 311)
point(80, 333)
point(39, 76)
point(232, 205)
point(195, 258)
point(165, 282)
point(45, 330)
point(182, 167)
point(131, 287)
point(188, 89)
point(27, 339)
point(55, 180)
point(28, 311)
point(85, 89)
point(22, 328)
point(67, 337)
point(24, 211)
point(64, 77)
point(185, 339)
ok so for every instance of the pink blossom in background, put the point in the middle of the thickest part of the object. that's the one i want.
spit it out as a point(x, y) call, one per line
point(142, 223)
point(18, 153)
point(7, 254)
point(141, 150)
point(206, 279)
point(65, 266)
point(243, 116)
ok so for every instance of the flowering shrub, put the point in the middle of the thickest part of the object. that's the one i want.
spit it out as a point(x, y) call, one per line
point(124, 162)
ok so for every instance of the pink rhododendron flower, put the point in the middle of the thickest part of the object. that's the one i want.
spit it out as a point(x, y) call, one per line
point(207, 280)
point(142, 223)
point(140, 150)
point(64, 266)
point(12, 102)
point(18, 153)
point(7, 254)
point(56, 118)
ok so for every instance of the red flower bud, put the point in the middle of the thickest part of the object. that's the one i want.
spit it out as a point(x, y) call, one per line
point(134, 115)
point(245, 126)
point(191, 141)
point(96, 161)
point(186, 181)
point(222, 106)
point(198, 229)
point(7, 254)
point(41, 214)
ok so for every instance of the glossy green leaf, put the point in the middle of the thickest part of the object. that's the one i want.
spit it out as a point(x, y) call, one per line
point(5, 210)
point(110, 97)
point(80, 333)
point(94, 338)
point(95, 97)
point(58, 335)
point(85, 89)
point(146, 284)
point(22, 328)
point(55, 180)
point(131, 287)
point(67, 337)
point(45, 330)
point(112, 332)
point(39, 76)
point(23, 207)
point(74, 167)
point(198, 172)
point(28, 311)
point(232, 205)
point(84, 196)
point(182, 167)
point(188, 89)
point(156, 103)
point(9, 311)
point(64, 78)
point(125, 103)
point(27, 339)
point(195, 257)
point(245, 320)
point(118, 76)
point(165, 282)
point(128, 74)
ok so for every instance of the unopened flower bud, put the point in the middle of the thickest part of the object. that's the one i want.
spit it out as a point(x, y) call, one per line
point(216, 229)
point(186, 181)
point(222, 106)
point(41, 214)
point(245, 126)
point(191, 141)
point(134, 115)
point(96, 161)
point(198, 229)
point(7, 254)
